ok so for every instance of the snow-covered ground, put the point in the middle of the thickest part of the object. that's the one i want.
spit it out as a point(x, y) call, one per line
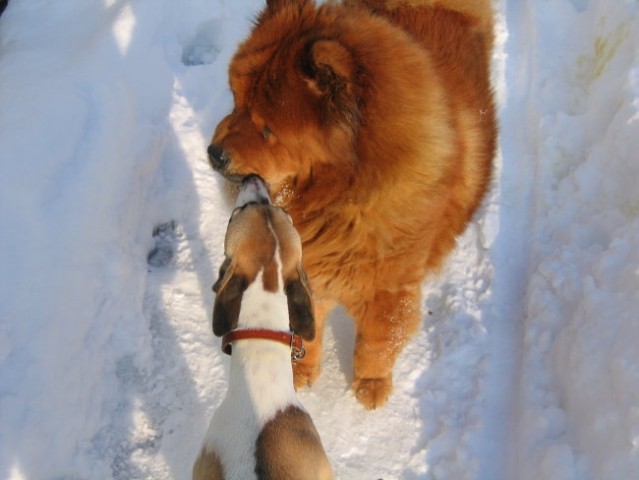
point(527, 364)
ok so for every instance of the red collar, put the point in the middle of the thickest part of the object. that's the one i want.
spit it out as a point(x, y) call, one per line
point(287, 338)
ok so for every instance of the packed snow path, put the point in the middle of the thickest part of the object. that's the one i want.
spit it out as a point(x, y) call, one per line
point(112, 226)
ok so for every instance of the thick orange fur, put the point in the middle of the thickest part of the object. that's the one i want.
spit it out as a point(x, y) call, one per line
point(374, 125)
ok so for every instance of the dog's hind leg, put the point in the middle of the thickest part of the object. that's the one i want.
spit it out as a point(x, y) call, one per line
point(307, 370)
point(384, 327)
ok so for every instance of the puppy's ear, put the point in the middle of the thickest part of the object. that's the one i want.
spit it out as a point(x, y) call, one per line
point(224, 275)
point(330, 71)
point(300, 306)
point(229, 288)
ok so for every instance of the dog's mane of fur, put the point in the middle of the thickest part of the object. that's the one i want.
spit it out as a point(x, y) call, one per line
point(375, 168)
point(379, 131)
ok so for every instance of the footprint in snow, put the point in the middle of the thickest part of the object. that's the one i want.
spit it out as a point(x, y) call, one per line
point(205, 45)
point(162, 253)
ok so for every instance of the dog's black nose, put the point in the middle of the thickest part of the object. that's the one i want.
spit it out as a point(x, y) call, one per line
point(217, 156)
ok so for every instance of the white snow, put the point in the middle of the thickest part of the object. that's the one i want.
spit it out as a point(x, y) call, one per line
point(112, 224)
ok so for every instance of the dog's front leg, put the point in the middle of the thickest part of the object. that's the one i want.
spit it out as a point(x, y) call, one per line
point(307, 370)
point(384, 326)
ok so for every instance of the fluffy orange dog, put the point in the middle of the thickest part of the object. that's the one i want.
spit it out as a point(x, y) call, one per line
point(373, 123)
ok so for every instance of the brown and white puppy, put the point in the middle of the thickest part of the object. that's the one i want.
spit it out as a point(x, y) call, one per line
point(261, 430)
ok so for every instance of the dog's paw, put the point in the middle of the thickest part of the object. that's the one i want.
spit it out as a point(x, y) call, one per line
point(372, 393)
point(304, 375)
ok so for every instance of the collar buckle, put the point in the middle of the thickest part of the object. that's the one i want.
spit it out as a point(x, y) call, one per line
point(294, 342)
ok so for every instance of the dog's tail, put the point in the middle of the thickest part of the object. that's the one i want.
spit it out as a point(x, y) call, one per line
point(480, 11)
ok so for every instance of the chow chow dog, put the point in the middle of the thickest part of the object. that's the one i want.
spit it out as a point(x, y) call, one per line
point(374, 125)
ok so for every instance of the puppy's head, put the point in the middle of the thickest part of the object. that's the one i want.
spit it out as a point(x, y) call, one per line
point(295, 100)
point(261, 238)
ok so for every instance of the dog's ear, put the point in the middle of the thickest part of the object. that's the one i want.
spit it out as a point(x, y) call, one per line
point(229, 288)
point(224, 275)
point(274, 6)
point(330, 70)
point(300, 306)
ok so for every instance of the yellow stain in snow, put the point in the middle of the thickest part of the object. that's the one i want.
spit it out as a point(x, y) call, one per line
point(605, 48)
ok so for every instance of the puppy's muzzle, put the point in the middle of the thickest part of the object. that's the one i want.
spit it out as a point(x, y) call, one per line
point(253, 190)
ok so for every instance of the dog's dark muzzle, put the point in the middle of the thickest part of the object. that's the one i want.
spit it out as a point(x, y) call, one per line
point(253, 190)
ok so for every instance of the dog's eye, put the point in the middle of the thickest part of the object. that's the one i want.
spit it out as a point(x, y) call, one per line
point(266, 132)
